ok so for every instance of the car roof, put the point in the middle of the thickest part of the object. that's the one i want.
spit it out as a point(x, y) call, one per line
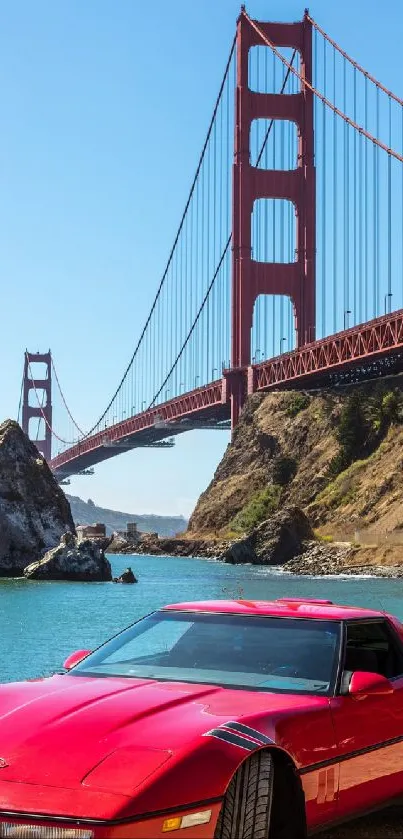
point(283, 607)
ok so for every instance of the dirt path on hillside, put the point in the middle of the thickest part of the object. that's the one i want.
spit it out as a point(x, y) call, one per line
point(384, 825)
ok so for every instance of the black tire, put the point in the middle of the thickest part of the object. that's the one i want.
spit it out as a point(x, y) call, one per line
point(246, 809)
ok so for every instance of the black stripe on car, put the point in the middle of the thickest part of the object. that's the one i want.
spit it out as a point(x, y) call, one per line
point(233, 739)
point(250, 732)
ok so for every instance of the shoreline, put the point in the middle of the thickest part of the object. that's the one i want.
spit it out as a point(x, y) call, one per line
point(303, 565)
point(285, 539)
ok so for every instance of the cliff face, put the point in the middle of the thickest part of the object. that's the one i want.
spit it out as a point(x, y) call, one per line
point(34, 512)
point(337, 455)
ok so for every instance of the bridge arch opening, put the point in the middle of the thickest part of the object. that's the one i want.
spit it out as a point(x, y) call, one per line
point(273, 144)
point(38, 369)
point(266, 71)
point(273, 327)
point(37, 397)
point(36, 428)
point(274, 230)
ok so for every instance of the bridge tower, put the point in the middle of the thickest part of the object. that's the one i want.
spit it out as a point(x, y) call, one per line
point(43, 412)
point(250, 278)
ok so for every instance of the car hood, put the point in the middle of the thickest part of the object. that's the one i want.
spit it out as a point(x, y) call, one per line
point(61, 732)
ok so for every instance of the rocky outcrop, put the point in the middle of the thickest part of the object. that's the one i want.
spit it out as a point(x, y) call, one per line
point(34, 512)
point(291, 442)
point(126, 577)
point(152, 545)
point(319, 559)
point(72, 560)
point(273, 542)
point(336, 454)
point(120, 545)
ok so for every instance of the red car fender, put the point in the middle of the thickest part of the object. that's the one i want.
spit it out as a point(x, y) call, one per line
point(200, 773)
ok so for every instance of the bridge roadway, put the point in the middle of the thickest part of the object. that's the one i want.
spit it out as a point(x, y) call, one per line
point(371, 349)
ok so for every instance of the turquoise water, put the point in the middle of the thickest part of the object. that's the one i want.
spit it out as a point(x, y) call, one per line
point(42, 622)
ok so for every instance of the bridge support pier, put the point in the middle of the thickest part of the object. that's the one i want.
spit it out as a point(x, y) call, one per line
point(43, 412)
point(251, 278)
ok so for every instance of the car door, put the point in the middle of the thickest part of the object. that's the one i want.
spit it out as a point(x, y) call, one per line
point(369, 728)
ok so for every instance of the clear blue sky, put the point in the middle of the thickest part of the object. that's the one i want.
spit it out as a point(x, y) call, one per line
point(104, 108)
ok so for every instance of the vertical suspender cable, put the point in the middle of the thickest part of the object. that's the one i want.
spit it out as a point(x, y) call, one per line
point(345, 204)
point(214, 293)
point(324, 117)
point(292, 162)
point(347, 218)
point(366, 202)
point(273, 209)
point(207, 309)
point(335, 208)
point(222, 310)
point(361, 187)
point(257, 221)
point(199, 365)
point(265, 340)
point(356, 302)
point(282, 254)
point(389, 295)
point(377, 272)
point(184, 287)
point(374, 256)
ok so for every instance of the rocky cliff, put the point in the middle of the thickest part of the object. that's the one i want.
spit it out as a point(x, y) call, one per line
point(337, 455)
point(34, 512)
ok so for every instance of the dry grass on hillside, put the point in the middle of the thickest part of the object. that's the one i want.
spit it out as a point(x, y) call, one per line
point(290, 441)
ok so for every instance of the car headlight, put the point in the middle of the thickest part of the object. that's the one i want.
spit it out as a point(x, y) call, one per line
point(11, 830)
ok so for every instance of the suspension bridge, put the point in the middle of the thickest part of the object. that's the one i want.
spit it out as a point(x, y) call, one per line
point(287, 265)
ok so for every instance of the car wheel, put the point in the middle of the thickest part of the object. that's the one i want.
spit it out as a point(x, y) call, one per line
point(246, 809)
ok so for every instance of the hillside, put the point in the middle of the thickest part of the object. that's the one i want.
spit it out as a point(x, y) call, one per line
point(86, 512)
point(336, 454)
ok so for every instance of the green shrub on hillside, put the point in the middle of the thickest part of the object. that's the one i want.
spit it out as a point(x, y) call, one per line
point(262, 503)
point(298, 402)
point(343, 489)
point(323, 537)
point(364, 421)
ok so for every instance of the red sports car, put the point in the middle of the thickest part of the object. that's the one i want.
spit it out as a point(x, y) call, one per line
point(225, 719)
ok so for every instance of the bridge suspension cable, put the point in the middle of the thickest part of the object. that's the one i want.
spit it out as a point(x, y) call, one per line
point(259, 157)
point(194, 324)
point(179, 259)
point(320, 96)
point(80, 431)
point(20, 400)
point(359, 252)
point(355, 64)
point(176, 240)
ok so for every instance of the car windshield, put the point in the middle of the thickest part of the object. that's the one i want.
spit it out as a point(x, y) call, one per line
point(239, 651)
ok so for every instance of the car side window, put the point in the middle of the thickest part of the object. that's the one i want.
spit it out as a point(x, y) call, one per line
point(372, 647)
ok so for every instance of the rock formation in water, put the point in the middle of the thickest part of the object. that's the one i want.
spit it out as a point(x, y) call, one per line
point(126, 577)
point(122, 545)
point(34, 512)
point(82, 560)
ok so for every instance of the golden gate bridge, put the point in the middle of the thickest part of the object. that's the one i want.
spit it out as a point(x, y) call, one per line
point(287, 265)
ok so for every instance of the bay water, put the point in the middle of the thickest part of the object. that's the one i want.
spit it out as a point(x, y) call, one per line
point(43, 622)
